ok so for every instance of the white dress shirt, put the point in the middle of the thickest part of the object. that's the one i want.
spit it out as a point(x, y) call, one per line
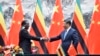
point(66, 32)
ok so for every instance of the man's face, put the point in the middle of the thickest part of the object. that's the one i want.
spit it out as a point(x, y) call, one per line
point(66, 25)
point(26, 25)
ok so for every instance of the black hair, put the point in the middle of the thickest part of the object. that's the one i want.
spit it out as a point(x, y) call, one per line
point(68, 22)
point(24, 22)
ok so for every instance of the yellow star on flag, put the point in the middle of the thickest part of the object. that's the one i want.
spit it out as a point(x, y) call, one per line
point(13, 21)
point(58, 23)
point(19, 22)
point(96, 8)
point(99, 22)
point(56, 8)
point(16, 8)
point(92, 22)
point(53, 22)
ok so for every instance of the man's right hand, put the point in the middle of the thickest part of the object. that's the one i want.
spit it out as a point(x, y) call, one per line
point(46, 39)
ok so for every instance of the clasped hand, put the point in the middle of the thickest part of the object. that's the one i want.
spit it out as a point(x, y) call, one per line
point(45, 39)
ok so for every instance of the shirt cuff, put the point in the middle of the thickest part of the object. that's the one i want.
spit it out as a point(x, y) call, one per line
point(41, 38)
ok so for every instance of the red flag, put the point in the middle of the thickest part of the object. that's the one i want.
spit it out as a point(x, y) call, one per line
point(94, 33)
point(56, 25)
point(16, 23)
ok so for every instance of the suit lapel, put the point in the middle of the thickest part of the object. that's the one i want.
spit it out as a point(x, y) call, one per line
point(62, 35)
point(67, 36)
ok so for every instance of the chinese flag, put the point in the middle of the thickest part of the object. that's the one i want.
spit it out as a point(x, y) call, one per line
point(56, 25)
point(94, 33)
point(16, 23)
point(3, 30)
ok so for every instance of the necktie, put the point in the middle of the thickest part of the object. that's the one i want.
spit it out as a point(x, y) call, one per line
point(66, 32)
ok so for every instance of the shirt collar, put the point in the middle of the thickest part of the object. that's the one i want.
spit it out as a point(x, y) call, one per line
point(68, 29)
point(23, 27)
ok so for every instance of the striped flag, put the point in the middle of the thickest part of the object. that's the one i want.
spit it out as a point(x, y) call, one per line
point(94, 33)
point(60, 51)
point(56, 25)
point(16, 23)
point(38, 27)
point(79, 25)
point(3, 28)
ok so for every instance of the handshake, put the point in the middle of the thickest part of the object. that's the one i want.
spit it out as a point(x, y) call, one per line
point(45, 39)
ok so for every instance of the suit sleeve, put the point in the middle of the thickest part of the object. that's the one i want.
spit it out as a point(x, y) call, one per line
point(75, 39)
point(55, 38)
point(28, 36)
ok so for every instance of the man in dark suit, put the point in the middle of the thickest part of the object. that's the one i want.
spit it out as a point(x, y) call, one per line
point(68, 36)
point(25, 37)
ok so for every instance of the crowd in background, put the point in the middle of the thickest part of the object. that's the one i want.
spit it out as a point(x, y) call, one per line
point(12, 50)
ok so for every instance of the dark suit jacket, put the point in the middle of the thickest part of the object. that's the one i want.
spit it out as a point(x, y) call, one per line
point(72, 36)
point(24, 41)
